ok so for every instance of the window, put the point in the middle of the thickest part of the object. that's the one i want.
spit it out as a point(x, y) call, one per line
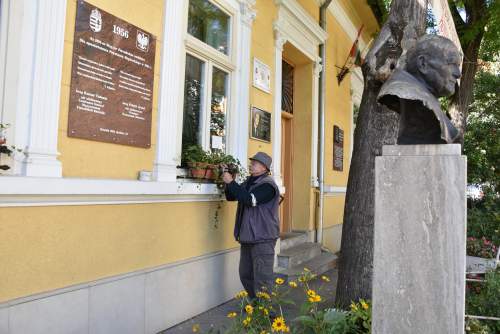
point(207, 76)
point(209, 24)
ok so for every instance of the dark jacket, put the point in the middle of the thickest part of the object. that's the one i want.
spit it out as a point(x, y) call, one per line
point(255, 221)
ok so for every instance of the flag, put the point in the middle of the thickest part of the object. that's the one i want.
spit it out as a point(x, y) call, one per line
point(355, 53)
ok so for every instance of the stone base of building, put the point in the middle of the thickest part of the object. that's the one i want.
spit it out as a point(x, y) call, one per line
point(147, 301)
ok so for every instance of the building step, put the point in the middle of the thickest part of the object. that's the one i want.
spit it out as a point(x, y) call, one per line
point(298, 254)
point(318, 265)
point(290, 239)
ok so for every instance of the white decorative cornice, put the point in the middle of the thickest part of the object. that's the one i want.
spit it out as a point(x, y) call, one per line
point(298, 27)
point(248, 13)
point(279, 38)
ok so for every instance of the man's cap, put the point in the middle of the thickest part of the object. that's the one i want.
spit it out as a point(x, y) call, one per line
point(264, 159)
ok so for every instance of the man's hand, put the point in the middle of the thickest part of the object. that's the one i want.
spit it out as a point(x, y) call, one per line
point(227, 177)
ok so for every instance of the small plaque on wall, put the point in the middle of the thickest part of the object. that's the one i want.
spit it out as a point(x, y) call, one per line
point(338, 149)
point(261, 76)
point(261, 125)
point(111, 93)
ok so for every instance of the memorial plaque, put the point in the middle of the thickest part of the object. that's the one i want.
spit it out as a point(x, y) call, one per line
point(261, 125)
point(338, 148)
point(111, 93)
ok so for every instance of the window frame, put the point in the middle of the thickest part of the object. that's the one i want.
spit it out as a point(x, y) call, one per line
point(214, 58)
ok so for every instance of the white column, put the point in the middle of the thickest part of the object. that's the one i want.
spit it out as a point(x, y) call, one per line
point(279, 41)
point(314, 143)
point(238, 132)
point(171, 98)
point(47, 57)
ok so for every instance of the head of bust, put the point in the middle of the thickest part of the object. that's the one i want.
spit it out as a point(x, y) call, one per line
point(435, 61)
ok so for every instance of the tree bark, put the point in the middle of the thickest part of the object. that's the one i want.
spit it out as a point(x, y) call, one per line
point(477, 17)
point(376, 126)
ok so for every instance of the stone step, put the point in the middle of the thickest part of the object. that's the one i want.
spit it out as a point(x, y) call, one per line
point(295, 255)
point(290, 239)
point(318, 265)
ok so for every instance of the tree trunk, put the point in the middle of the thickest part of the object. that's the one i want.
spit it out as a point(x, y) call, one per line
point(376, 126)
point(463, 97)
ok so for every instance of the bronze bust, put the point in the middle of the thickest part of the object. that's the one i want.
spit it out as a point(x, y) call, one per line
point(432, 71)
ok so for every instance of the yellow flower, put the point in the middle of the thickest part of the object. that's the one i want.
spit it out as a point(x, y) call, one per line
point(196, 328)
point(242, 294)
point(263, 295)
point(231, 314)
point(280, 281)
point(354, 307)
point(302, 279)
point(249, 309)
point(364, 305)
point(293, 284)
point(266, 312)
point(246, 322)
point(324, 278)
point(315, 299)
point(279, 325)
point(311, 293)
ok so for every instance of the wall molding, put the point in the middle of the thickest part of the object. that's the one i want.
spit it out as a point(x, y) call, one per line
point(330, 190)
point(34, 191)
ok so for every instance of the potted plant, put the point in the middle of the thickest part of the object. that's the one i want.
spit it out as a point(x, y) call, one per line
point(197, 161)
point(219, 158)
point(4, 148)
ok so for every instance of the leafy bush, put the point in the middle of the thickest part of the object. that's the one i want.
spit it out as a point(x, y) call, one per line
point(483, 298)
point(481, 248)
point(474, 326)
point(483, 217)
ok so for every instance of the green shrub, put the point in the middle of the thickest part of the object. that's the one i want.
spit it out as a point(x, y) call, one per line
point(483, 299)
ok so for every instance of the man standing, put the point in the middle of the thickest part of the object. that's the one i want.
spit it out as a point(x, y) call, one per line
point(257, 223)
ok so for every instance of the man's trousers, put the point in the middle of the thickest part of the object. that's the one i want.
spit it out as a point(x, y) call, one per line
point(256, 266)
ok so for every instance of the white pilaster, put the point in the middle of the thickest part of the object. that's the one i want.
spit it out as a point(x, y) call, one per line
point(314, 143)
point(171, 97)
point(279, 41)
point(44, 100)
point(239, 124)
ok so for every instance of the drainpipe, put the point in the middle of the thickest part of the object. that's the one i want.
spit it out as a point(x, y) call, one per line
point(321, 120)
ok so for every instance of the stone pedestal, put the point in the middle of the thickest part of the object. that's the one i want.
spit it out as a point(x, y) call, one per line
point(420, 235)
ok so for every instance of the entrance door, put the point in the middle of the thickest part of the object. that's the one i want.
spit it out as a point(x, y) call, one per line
point(287, 145)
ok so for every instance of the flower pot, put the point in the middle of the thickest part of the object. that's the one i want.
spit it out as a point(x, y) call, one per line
point(198, 173)
point(212, 171)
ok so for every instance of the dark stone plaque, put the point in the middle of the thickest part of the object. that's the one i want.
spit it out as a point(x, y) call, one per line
point(338, 148)
point(261, 125)
point(112, 75)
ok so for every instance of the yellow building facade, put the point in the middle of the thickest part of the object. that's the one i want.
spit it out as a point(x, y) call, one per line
point(85, 246)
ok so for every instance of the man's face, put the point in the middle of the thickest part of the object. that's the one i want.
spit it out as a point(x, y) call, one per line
point(257, 168)
point(441, 73)
point(257, 120)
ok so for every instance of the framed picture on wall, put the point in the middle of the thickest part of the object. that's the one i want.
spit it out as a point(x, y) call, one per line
point(261, 76)
point(260, 125)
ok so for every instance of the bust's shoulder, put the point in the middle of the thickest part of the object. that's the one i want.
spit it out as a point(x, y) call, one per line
point(402, 85)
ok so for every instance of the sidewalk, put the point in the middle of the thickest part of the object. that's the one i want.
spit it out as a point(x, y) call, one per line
point(217, 317)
